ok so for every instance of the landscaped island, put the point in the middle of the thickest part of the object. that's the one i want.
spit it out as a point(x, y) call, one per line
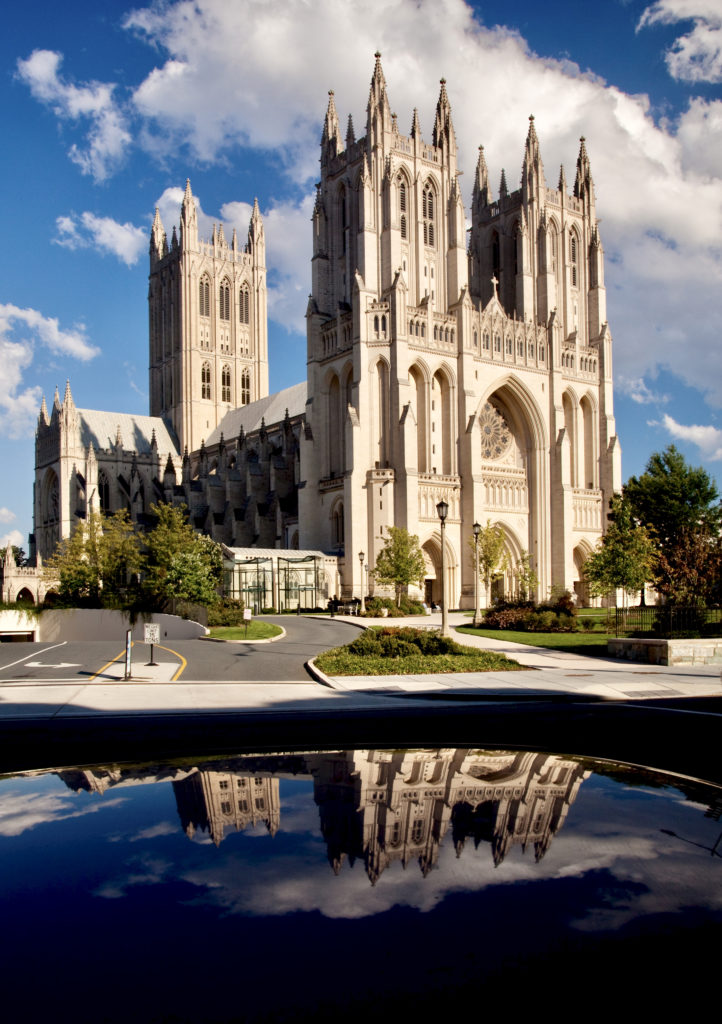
point(390, 650)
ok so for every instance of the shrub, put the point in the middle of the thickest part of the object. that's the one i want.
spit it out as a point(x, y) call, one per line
point(226, 612)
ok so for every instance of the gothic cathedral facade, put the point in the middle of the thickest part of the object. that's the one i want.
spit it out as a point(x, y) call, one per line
point(479, 373)
point(469, 366)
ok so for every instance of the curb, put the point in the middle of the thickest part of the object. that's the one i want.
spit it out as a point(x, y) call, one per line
point(268, 640)
point(320, 676)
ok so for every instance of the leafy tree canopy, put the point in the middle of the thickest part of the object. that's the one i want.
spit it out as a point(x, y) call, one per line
point(400, 562)
point(625, 558)
point(97, 563)
point(179, 564)
point(492, 554)
point(671, 497)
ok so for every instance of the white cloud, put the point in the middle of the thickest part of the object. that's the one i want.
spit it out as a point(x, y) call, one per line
point(707, 438)
point(6, 515)
point(107, 138)
point(19, 404)
point(20, 811)
point(13, 537)
point(125, 241)
point(696, 56)
point(638, 390)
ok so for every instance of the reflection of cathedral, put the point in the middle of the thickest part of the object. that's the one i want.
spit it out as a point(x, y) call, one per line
point(476, 370)
point(377, 806)
point(213, 801)
point(381, 806)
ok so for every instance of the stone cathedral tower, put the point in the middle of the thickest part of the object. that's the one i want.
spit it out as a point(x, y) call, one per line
point(208, 325)
point(479, 374)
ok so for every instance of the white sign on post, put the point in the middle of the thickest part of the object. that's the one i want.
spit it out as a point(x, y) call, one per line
point(246, 614)
point(152, 633)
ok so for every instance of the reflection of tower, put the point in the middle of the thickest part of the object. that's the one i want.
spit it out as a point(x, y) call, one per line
point(213, 801)
point(384, 806)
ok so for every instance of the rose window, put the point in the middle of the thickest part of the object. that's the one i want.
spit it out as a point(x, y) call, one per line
point(495, 434)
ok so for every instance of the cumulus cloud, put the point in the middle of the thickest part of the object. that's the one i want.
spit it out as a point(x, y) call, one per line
point(707, 438)
point(696, 56)
point(639, 391)
point(107, 137)
point(13, 537)
point(21, 330)
point(6, 516)
point(126, 241)
point(20, 811)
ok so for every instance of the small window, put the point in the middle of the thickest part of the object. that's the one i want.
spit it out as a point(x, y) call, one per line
point(428, 216)
point(226, 384)
point(245, 387)
point(244, 305)
point(206, 381)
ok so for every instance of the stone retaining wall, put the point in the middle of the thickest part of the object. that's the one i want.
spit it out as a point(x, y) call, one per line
point(667, 652)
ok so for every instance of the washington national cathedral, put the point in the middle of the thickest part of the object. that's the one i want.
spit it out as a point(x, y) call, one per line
point(473, 366)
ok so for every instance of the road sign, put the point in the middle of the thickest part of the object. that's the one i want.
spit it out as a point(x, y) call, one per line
point(152, 633)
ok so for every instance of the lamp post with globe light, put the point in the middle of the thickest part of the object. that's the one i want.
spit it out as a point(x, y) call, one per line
point(361, 556)
point(477, 611)
point(443, 510)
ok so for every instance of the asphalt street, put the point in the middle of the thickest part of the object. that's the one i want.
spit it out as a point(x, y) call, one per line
point(195, 660)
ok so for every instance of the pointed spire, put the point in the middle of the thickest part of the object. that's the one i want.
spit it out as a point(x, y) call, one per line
point(56, 399)
point(234, 241)
point(221, 236)
point(186, 457)
point(68, 402)
point(169, 467)
point(350, 136)
point(188, 194)
point(415, 125)
point(443, 125)
point(174, 240)
point(583, 184)
point(118, 438)
point(331, 139)
point(503, 190)
point(43, 417)
point(157, 237)
point(256, 240)
point(214, 236)
point(562, 186)
point(482, 191)
point(153, 442)
point(378, 104)
point(532, 174)
point(188, 219)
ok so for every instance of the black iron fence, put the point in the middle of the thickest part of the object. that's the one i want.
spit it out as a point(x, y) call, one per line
point(667, 622)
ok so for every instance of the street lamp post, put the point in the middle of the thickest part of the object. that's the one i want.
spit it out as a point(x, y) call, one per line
point(477, 611)
point(443, 510)
point(361, 556)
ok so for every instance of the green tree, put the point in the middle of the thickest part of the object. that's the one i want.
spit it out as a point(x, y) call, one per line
point(525, 579)
point(680, 507)
point(400, 562)
point(625, 557)
point(492, 555)
point(179, 564)
point(95, 565)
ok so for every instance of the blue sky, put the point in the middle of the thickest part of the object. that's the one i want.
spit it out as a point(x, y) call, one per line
point(108, 107)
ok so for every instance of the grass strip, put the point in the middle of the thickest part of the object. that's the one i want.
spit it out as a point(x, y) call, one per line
point(256, 631)
point(589, 644)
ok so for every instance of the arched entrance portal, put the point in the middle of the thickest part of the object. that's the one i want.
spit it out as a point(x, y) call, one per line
point(431, 550)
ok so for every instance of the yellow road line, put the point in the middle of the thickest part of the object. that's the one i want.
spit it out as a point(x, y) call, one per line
point(183, 665)
point(111, 662)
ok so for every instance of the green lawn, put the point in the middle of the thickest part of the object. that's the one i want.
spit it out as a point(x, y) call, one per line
point(591, 644)
point(257, 630)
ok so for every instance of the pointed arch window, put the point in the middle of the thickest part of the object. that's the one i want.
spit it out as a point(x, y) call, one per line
point(226, 384)
point(244, 305)
point(573, 258)
point(224, 303)
point(402, 206)
point(104, 492)
point(204, 296)
point(428, 216)
point(206, 381)
point(245, 387)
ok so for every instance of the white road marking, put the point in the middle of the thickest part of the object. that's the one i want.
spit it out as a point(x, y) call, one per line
point(61, 644)
point(59, 664)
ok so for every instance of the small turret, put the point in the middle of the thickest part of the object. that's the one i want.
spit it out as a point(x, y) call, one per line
point(503, 190)
point(350, 135)
point(416, 126)
point(158, 243)
point(43, 416)
point(482, 191)
point(56, 399)
point(532, 175)
point(562, 186)
point(378, 111)
point(256, 235)
point(583, 184)
point(188, 219)
point(444, 135)
point(331, 139)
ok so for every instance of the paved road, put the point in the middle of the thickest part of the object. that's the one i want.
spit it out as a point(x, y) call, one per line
point(97, 661)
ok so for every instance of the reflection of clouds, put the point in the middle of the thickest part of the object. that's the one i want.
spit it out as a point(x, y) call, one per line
point(20, 812)
point(163, 828)
point(298, 814)
point(151, 871)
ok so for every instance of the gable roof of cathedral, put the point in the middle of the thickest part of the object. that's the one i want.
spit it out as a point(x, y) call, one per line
point(271, 409)
point(101, 430)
